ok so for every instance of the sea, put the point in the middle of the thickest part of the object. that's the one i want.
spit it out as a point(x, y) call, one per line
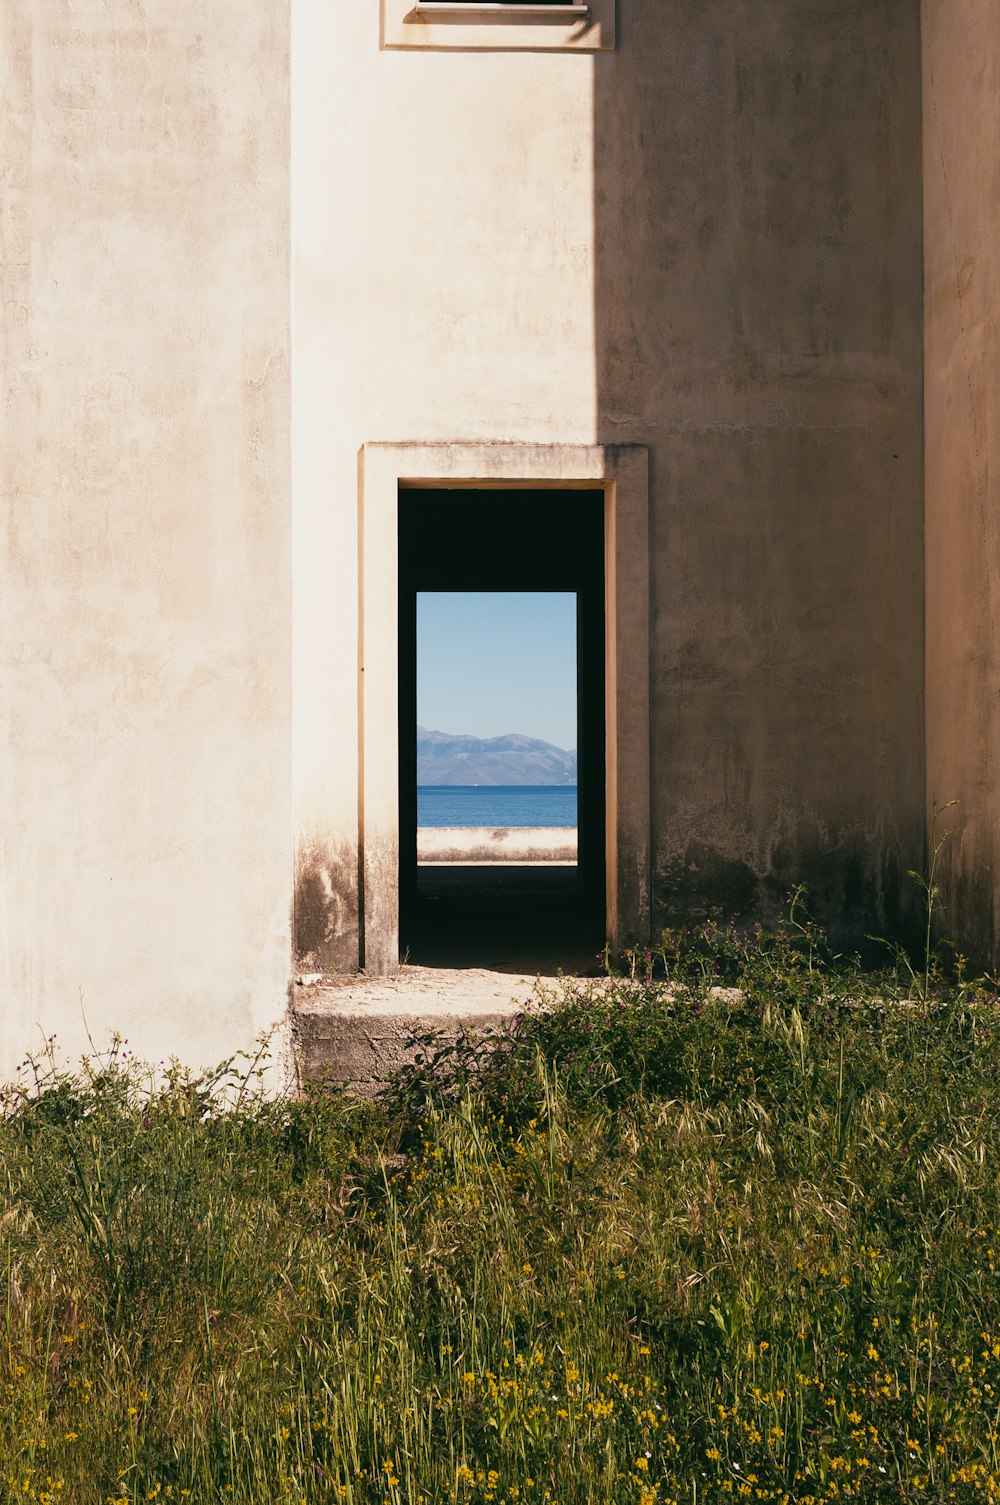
point(496, 805)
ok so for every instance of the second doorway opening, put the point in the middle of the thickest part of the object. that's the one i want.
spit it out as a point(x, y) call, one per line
point(502, 826)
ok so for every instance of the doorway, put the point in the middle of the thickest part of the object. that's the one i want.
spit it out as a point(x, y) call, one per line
point(519, 912)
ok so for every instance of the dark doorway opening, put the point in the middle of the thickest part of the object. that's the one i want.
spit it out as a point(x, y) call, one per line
point(507, 917)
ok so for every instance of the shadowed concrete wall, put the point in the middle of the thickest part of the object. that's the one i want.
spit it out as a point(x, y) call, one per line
point(961, 81)
point(145, 455)
point(757, 203)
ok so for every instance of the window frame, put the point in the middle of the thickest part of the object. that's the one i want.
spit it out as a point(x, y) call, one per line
point(498, 25)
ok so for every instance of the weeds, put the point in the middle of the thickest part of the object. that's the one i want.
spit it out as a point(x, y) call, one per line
point(723, 1227)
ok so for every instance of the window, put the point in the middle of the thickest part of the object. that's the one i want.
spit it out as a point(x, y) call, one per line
point(499, 25)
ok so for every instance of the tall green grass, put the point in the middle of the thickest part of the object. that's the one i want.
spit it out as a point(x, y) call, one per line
point(725, 1227)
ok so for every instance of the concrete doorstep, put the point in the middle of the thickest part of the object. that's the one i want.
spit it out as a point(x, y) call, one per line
point(355, 1031)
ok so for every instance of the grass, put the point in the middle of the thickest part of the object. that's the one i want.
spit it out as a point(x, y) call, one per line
point(723, 1227)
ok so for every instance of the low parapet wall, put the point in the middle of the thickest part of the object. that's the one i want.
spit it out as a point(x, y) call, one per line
point(470, 846)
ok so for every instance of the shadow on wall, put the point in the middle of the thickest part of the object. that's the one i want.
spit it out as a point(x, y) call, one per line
point(758, 283)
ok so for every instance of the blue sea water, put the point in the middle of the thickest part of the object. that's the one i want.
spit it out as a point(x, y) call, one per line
point(496, 805)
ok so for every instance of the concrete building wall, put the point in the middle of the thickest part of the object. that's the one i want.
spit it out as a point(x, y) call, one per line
point(707, 242)
point(961, 88)
point(145, 640)
point(758, 324)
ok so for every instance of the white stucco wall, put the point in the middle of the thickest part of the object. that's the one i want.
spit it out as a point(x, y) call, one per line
point(444, 289)
point(144, 446)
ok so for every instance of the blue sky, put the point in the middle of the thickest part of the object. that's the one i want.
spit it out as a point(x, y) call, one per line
point(490, 662)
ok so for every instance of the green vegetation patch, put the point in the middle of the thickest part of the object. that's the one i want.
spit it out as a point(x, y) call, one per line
point(723, 1227)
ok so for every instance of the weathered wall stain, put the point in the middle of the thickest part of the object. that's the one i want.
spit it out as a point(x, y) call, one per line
point(379, 909)
point(326, 908)
point(857, 889)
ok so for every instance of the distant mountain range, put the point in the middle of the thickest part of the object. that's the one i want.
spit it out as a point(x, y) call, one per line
point(511, 759)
